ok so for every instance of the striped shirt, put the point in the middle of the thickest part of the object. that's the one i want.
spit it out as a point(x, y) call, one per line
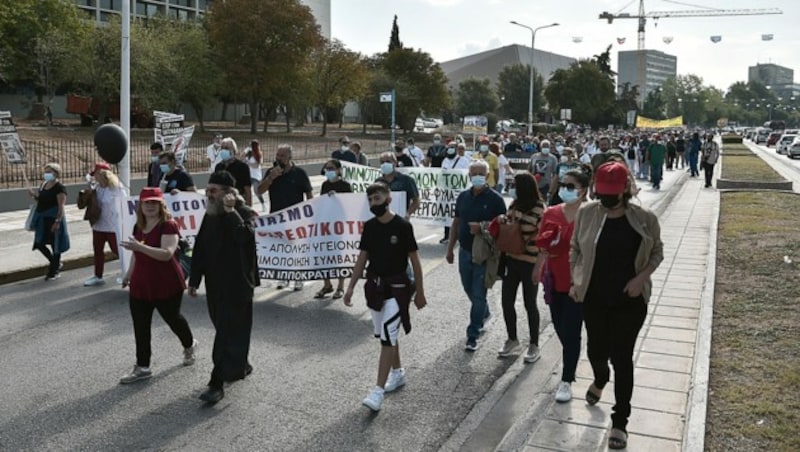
point(529, 226)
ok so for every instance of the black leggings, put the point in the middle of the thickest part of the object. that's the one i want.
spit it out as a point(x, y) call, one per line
point(520, 272)
point(611, 335)
point(53, 258)
point(142, 314)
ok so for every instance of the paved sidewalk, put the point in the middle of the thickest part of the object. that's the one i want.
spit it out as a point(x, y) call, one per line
point(668, 355)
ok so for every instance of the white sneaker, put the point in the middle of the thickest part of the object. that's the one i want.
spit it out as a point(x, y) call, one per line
point(138, 373)
point(397, 378)
point(281, 284)
point(188, 353)
point(509, 348)
point(298, 285)
point(94, 281)
point(374, 400)
point(564, 392)
point(532, 355)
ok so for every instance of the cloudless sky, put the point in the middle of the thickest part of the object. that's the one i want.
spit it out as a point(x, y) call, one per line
point(449, 29)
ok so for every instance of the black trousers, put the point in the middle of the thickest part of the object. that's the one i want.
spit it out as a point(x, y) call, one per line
point(142, 314)
point(53, 258)
point(519, 272)
point(611, 335)
point(708, 168)
point(231, 313)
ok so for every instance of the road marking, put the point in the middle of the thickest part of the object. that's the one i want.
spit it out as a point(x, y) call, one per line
point(432, 236)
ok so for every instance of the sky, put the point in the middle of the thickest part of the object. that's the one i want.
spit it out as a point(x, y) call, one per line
point(449, 29)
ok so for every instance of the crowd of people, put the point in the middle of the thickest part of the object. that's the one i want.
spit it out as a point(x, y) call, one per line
point(570, 227)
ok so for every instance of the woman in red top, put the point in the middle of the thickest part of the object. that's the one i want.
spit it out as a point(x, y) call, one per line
point(156, 280)
point(553, 240)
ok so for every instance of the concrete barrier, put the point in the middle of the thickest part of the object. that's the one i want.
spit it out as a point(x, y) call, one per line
point(724, 184)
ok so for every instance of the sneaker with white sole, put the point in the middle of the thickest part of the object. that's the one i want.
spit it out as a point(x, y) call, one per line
point(188, 353)
point(374, 400)
point(509, 348)
point(532, 355)
point(486, 321)
point(472, 345)
point(94, 281)
point(138, 373)
point(298, 285)
point(564, 392)
point(397, 379)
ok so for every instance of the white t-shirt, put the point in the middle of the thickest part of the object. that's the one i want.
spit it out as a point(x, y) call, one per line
point(457, 162)
point(416, 155)
point(255, 173)
point(502, 163)
point(212, 152)
point(109, 200)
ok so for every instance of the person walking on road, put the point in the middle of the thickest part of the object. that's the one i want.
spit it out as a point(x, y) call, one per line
point(174, 178)
point(154, 174)
point(109, 195)
point(615, 248)
point(156, 281)
point(543, 167)
point(288, 184)
point(555, 234)
point(387, 244)
point(333, 184)
point(694, 152)
point(48, 222)
point(252, 157)
point(212, 152)
point(710, 157)
point(225, 255)
point(474, 208)
point(680, 148)
point(399, 182)
point(456, 159)
point(656, 153)
point(229, 161)
point(526, 209)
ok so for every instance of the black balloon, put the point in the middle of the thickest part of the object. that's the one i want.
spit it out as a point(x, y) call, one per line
point(111, 143)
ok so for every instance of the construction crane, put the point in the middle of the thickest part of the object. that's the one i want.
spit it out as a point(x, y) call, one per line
point(709, 12)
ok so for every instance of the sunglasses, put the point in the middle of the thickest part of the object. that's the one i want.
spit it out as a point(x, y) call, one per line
point(569, 186)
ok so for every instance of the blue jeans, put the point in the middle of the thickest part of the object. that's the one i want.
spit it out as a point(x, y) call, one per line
point(693, 163)
point(567, 318)
point(472, 276)
point(656, 172)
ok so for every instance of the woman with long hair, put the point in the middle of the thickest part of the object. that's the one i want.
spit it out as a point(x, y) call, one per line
point(109, 192)
point(253, 159)
point(526, 209)
point(554, 236)
point(48, 222)
point(615, 248)
point(156, 280)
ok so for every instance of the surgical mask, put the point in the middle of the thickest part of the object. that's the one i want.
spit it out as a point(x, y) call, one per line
point(564, 159)
point(478, 181)
point(331, 175)
point(484, 148)
point(567, 195)
point(451, 151)
point(164, 168)
point(559, 147)
point(224, 154)
point(48, 176)
point(545, 150)
point(345, 148)
point(437, 141)
point(387, 167)
point(380, 209)
point(512, 192)
point(153, 158)
point(609, 201)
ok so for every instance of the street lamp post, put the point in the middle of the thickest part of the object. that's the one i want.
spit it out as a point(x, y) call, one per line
point(530, 93)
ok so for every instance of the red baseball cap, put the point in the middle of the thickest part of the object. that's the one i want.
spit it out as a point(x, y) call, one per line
point(100, 166)
point(611, 178)
point(151, 194)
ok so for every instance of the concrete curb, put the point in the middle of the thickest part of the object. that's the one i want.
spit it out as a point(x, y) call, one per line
point(41, 271)
point(695, 432)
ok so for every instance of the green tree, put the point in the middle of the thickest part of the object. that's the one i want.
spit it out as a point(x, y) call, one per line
point(513, 88)
point(56, 56)
point(338, 76)
point(627, 99)
point(654, 105)
point(475, 96)
point(420, 84)
point(394, 39)
point(584, 88)
point(260, 53)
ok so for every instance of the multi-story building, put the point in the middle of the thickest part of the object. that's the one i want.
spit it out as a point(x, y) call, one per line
point(778, 79)
point(103, 10)
point(647, 69)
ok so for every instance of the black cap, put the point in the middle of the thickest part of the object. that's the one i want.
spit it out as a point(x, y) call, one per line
point(222, 178)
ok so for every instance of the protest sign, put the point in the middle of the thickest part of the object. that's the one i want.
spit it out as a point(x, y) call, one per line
point(170, 132)
point(9, 139)
point(316, 239)
point(438, 188)
point(476, 125)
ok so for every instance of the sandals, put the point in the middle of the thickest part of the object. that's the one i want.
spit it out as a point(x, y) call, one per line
point(592, 397)
point(323, 292)
point(617, 439)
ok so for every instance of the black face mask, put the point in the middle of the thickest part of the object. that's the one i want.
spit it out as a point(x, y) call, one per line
point(609, 201)
point(380, 209)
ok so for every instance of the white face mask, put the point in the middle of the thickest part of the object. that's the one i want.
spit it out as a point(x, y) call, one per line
point(345, 148)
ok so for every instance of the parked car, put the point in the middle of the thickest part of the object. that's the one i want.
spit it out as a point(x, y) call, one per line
point(783, 144)
point(773, 138)
point(794, 149)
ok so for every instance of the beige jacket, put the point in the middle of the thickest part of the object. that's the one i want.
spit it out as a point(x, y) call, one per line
point(589, 223)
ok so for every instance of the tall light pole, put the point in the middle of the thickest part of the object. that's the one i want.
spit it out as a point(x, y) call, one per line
point(530, 94)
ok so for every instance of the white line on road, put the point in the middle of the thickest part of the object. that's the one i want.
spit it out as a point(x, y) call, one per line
point(432, 236)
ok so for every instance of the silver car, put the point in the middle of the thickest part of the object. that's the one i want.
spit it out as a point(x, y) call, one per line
point(794, 149)
point(784, 143)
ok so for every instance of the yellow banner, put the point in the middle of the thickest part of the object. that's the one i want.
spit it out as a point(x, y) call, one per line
point(647, 123)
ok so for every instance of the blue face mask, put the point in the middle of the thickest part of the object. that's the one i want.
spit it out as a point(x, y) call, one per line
point(387, 167)
point(331, 175)
point(513, 193)
point(478, 181)
point(48, 176)
point(164, 168)
point(545, 150)
point(567, 195)
point(154, 159)
point(225, 154)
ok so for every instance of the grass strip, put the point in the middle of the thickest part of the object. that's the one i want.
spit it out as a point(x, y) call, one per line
point(747, 167)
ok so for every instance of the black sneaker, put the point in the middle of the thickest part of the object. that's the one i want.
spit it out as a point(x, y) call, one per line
point(444, 240)
point(212, 395)
point(472, 345)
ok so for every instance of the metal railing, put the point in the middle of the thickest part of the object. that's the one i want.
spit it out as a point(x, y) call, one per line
point(77, 157)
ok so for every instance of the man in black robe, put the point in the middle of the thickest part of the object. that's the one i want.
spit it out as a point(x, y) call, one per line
point(225, 254)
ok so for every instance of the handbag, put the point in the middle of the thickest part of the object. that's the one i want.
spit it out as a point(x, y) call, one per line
point(509, 238)
point(87, 199)
point(29, 220)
